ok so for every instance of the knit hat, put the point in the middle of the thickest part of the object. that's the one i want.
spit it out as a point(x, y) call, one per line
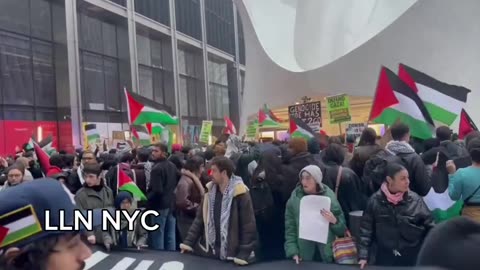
point(121, 196)
point(452, 244)
point(315, 172)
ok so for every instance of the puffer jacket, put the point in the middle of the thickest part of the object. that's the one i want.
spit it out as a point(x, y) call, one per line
point(305, 249)
point(394, 227)
point(242, 235)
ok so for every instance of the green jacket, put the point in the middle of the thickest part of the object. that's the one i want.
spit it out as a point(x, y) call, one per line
point(305, 249)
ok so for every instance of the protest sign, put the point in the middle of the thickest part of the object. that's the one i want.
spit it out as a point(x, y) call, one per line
point(206, 132)
point(338, 108)
point(355, 129)
point(310, 113)
point(312, 225)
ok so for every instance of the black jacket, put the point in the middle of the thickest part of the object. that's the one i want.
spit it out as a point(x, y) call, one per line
point(454, 150)
point(419, 177)
point(361, 155)
point(163, 181)
point(394, 227)
point(351, 191)
point(291, 170)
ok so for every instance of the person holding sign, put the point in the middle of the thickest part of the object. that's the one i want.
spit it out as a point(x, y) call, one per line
point(396, 219)
point(306, 250)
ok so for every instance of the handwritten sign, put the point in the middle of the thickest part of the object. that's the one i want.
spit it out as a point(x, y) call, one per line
point(310, 113)
point(206, 131)
point(338, 108)
point(356, 129)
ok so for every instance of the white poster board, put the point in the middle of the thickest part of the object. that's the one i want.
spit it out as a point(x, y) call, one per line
point(312, 225)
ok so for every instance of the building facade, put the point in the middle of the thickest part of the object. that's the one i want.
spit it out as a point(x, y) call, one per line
point(64, 63)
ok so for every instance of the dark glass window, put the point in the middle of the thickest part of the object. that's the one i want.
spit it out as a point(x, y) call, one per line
point(188, 17)
point(120, 2)
point(219, 20)
point(41, 18)
point(191, 84)
point(101, 89)
point(16, 68)
point(157, 10)
point(43, 74)
point(218, 87)
point(241, 40)
point(155, 70)
point(14, 16)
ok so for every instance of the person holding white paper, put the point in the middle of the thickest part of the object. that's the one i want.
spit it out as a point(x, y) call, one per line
point(304, 250)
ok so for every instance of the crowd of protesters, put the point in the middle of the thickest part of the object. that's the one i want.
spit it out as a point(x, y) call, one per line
point(240, 202)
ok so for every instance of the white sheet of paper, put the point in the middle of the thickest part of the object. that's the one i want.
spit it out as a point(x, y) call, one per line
point(312, 225)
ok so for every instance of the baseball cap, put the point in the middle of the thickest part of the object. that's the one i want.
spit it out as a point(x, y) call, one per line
point(23, 207)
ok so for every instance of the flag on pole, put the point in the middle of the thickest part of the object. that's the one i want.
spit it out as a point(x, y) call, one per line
point(141, 135)
point(394, 100)
point(269, 112)
point(93, 136)
point(300, 129)
point(125, 183)
point(229, 126)
point(443, 101)
point(139, 114)
point(466, 125)
point(264, 120)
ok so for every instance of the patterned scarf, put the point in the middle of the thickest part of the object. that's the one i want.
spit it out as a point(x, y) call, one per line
point(224, 215)
point(399, 147)
point(392, 198)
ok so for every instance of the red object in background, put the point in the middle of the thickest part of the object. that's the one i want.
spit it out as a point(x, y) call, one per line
point(17, 133)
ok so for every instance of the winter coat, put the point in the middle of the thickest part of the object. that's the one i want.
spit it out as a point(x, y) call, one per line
point(352, 193)
point(394, 227)
point(242, 234)
point(137, 237)
point(188, 197)
point(361, 155)
point(305, 249)
point(161, 192)
point(89, 199)
point(454, 150)
point(417, 171)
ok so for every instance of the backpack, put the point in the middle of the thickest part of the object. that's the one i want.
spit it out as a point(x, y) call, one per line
point(262, 200)
point(374, 171)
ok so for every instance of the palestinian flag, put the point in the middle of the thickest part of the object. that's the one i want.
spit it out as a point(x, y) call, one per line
point(394, 100)
point(271, 114)
point(42, 157)
point(300, 129)
point(229, 126)
point(441, 206)
point(125, 183)
point(265, 121)
point(443, 101)
point(139, 114)
point(93, 136)
point(18, 225)
point(141, 135)
point(466, 125)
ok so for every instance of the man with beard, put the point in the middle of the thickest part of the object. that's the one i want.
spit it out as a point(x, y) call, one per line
point(37, 248)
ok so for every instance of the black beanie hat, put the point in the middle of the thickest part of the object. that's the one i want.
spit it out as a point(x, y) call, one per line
point(453, 244)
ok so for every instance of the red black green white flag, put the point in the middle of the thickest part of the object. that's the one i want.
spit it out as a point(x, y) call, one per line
point(140, 114)
point(443, 101)
point(466, 125)
point(300, 129)
point(125, 183)
point(396, 101)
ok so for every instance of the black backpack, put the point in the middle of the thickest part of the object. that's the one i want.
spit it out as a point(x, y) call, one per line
point(262, 200)
point(374, 171)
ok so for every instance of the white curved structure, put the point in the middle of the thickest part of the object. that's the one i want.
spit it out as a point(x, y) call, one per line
point(321, 47)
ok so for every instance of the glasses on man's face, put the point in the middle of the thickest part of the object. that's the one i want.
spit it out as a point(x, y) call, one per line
point(14, 176)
